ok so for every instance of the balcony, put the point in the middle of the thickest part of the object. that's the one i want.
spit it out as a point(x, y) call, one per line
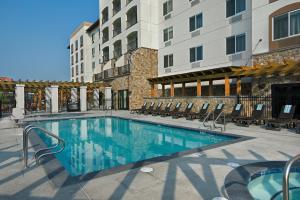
point(98, 77)
point(108, 74)
point(132, 17)
point(124, 70)
point(116, 6)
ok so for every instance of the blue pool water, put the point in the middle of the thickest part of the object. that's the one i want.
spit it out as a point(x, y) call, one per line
point(95, 144)
point(268, 185)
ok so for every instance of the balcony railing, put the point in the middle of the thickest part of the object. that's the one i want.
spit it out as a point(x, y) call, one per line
point(98, 77)
point(116, 9)
point(116, 31)
point(105, 59)
point(124, 70)
point(117, 53)
point(131, 22)
point(132, 45)
point(108, 74)
point(105, 39)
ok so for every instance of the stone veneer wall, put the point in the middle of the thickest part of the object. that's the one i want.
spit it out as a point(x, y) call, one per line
point(262, 86)
point(143, 66)
point(198, 102)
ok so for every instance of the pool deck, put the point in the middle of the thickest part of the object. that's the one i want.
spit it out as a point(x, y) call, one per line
point(196, 176)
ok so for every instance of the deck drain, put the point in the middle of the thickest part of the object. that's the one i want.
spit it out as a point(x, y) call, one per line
point(146, 169)
point(219, 198)
point(233, 164)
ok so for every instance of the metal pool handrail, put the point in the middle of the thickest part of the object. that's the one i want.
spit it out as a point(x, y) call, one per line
point(206, 120)
point(27, 130)
point(286, 175)
point(217, 118)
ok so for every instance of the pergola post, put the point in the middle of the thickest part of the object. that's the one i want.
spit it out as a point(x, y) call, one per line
point(163, 88)
point(183, 89)
point(39, 104)
point(83, 98)
point(172, 92)
point(210, 88)
point(238, 86)
point(20, 93)
point(227, 86)
point(153, 92)
point(54, 98)
point(199, 88)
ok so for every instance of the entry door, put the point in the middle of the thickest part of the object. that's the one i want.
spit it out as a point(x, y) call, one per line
point(123, 100)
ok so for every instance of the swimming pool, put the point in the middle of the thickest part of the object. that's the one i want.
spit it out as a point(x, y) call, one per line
point(96, 144)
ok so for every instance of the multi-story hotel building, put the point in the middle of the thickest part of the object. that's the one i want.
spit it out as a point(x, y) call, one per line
point(178, 38)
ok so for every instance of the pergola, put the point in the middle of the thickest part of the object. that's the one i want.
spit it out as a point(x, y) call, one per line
point(226, 73)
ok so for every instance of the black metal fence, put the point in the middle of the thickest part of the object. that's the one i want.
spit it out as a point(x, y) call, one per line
point(249, 103)
point(7, 103)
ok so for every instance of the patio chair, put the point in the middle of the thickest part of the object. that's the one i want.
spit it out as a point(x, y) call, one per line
point(187, 110)
point(155, 110)
point(144, 106)
point(171, 112)
point(150, 109)
point(199, 115)
point(285, 118)
point(256, 116)
point(160, 112)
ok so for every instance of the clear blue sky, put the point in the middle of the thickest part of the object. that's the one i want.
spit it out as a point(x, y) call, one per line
point(34, 35)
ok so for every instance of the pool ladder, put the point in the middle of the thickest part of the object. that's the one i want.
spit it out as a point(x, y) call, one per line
point(215, 119)
point(42, 152)
point(286, 175)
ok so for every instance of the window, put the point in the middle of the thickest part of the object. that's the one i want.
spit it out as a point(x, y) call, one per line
point(196, 54)
point(81, 41)
point(76, 45)
point(234, 7)
point(93, 38)
point(76, 57)
point(93, 65)
point(93, 52)
point(286, 25)
point(82, 79)
point(236, 44)
point(81, 54)
point(167, 7)
point(77, 70)
point(72, 48)
point(82, 68)
point(168, 61)
point(72, 60)
point(168, 34)
point(196, 22)
point(72, 72)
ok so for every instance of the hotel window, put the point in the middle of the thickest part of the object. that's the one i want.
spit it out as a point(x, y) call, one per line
point(286, 25)
point(93, 65)
point(76, 45)
point(236, 44)
point(168, 34)
point(77, 70)
point(196, 22)
point(168, 61)
point(82, 68)
point(234, 7)
point(93, 38)
point(167, 7)
point(81, 41)
point(72, 60)
point(72, 48)
point(77, 80)
point(93, 52)
point(81, 54)
point(76, 57)
point(196, 54)
point(82, 79)
point(72, 72)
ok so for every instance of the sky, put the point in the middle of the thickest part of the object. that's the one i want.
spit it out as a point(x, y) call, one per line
point(34, 35)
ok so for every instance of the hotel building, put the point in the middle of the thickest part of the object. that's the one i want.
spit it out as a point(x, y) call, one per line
point(161, 46)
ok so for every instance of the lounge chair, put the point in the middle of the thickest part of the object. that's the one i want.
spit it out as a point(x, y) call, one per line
point(144, 106)
point(185, 113)
point(256, 116)
point(218, 110)
point(199, 115)
point(285, 118)
point(160, 112)
point(172, 112)
point(298, 127)
point(150, 109)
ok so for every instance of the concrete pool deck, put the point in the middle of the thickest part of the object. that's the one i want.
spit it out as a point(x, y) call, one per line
point(196, 176)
